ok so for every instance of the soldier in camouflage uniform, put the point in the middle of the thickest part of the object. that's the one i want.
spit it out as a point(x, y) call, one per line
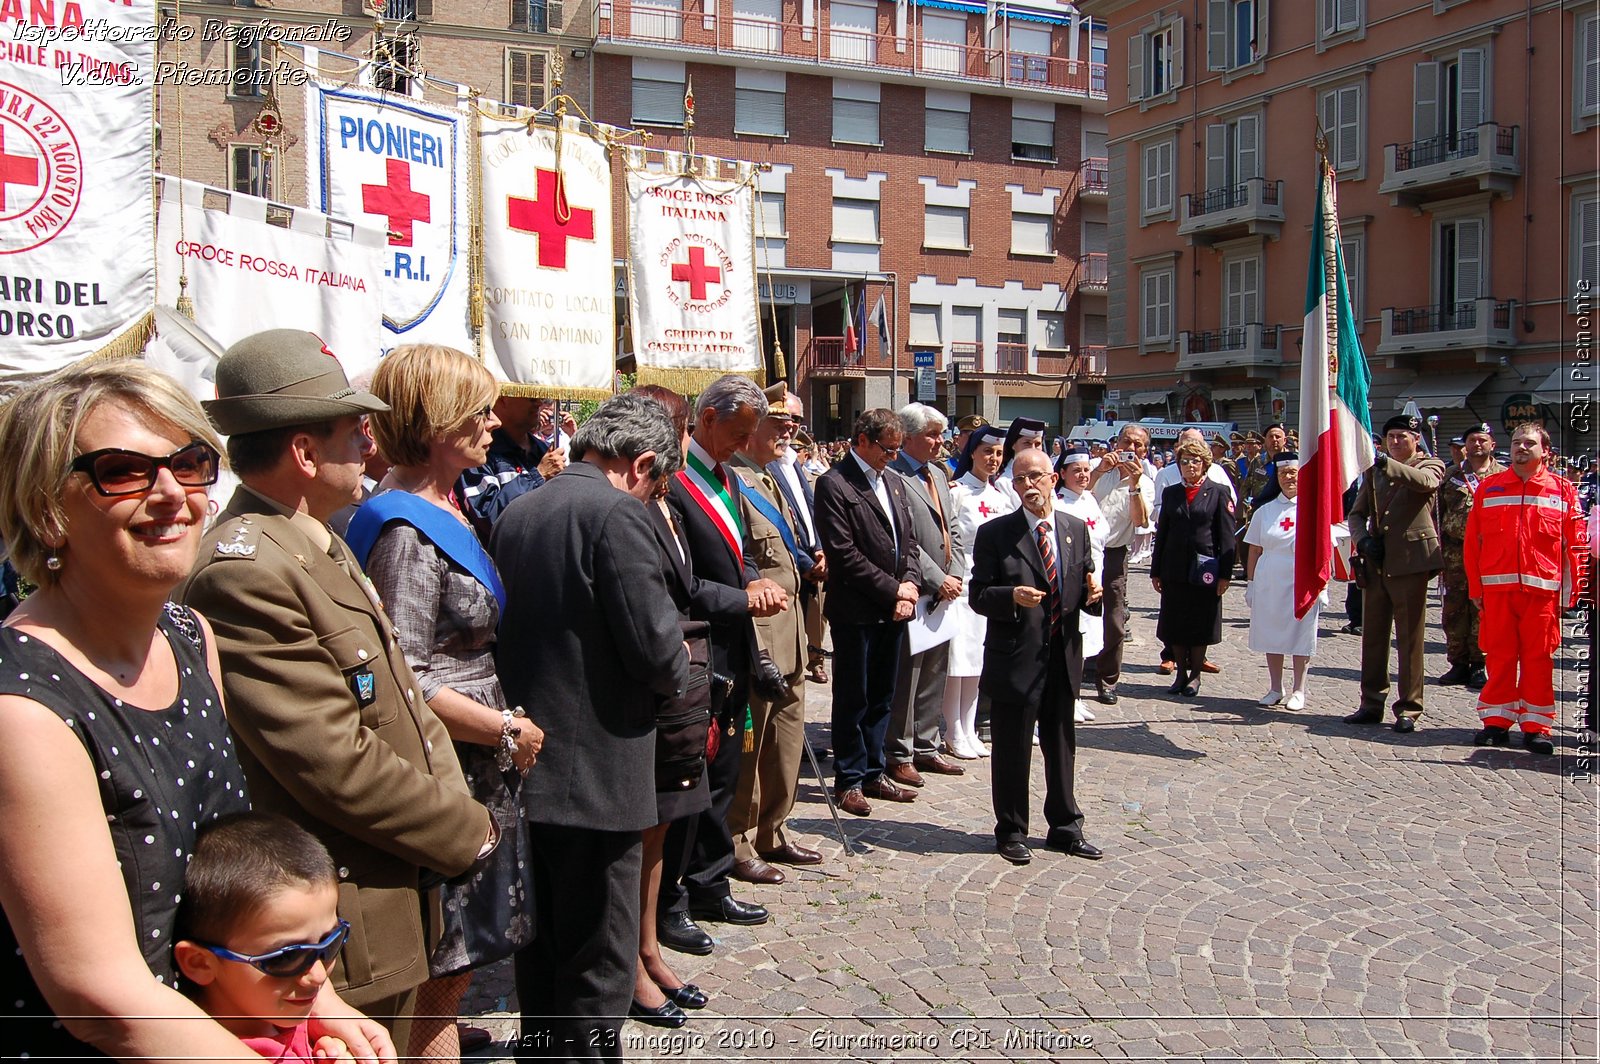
point(1455, 503)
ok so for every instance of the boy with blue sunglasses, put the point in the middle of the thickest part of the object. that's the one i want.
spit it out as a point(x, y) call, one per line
point(258, 929)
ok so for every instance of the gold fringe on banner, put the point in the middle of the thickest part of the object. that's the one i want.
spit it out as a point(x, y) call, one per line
point(518, 390)
point(132, 341)
point(691, 381)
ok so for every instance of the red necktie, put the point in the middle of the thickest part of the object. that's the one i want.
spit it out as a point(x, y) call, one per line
point(1047, 552)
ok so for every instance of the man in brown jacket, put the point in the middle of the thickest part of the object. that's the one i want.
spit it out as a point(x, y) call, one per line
point(332, 730)
point(1393, 527)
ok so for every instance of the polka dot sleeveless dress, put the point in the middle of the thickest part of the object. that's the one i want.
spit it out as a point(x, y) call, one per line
point(163, 773)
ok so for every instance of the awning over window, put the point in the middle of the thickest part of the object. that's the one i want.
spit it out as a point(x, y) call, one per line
point(954, 5)
point(1232, 395)
point(1441, 393)
point(1561, 387)
point(1149, 398)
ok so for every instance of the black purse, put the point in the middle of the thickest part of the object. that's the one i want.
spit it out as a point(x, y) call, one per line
point(682, 722)
point(1204, 570)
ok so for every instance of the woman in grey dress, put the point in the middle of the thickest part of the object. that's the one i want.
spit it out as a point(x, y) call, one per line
point(444, 596)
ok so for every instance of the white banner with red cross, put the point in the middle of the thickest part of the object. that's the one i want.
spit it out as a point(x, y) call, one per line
point(245, 274)
point(402, 166)
point(691, 276)
point(549, 313)
point(77, 269)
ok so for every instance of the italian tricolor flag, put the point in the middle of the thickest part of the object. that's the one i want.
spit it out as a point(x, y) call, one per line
point(1335, 426)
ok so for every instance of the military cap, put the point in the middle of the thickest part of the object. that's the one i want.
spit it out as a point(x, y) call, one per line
point(777, 405)
point(1403, 421)
point(281, 378)
point(1236, 437)
point(1252, 437)
point(1458, 441)
point(1482, 426)
point(970, 422)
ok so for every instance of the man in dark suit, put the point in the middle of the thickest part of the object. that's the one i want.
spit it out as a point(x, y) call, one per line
point(728, 590)
point(864, 519)
point(913, 740)
point(582, 552)
point(1031, 574)
point(1394, 530)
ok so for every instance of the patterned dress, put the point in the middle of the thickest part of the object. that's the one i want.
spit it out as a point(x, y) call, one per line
point(445, 621)
point(163, 772)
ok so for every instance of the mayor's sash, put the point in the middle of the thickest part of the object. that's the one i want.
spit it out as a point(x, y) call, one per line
point(450, 536)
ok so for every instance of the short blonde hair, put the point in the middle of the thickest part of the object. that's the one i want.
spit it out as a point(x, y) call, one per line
point(432, 391)
point(39, 437)
point(1191, 449)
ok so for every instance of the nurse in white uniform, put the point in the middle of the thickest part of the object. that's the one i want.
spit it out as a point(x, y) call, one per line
point(977, 502)
point(1074, 497)
point(1274, 629)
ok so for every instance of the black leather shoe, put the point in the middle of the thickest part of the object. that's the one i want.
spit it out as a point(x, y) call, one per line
point(728, 910)
point(1405, 725)
point(687, 996)
point(668, 1015)
point(1192, 687)
point(1456, 674)
point(1075, 848)
point(1107, 693)
point(1478, 679)
point(1492, 735)
point(1015, 852)
point(1365, 716)
point(1178, 685)
point(1539, 744)
point(677, 931)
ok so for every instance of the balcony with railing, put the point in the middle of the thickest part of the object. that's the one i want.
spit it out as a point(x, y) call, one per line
point(1011, 358)
point(1089, 363)
point(1095, 179)
point(1485, 159)
point(969, 357)
point(1253, 346)
point(1094, 274)
point(702, 26)
point(1246, 208)
point(1485, 326)
point(828, 358)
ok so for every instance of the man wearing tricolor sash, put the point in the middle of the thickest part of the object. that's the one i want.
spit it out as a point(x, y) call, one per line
point(728, 591)
point(1525, 550)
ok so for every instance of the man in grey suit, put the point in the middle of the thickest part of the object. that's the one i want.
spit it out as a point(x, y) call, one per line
point(941, 560)
point(590, 636)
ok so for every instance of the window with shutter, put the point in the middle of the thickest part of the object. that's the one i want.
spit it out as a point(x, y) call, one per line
point(1341, 121)
point(855, 221)
point(1011, 326)
point(852, 36)
point(1585, 282)
point(1033, 130)
point(1471, 91)
point(947, 227)
point(855, 112)
point(1340, 16)
point(948, 121)
point(757, 25)
point(525, 84)
point(925, 325)
point(1233, 38)
point(1425, 101)
point(1587, 57)
point(1353, 252)
point(1459, 277)
point(1158, 177)
point(248, 170)
point(658, 86)
point(1032, 234)
point(760, 110)
point(944, 43)
point(1241, 299)
point(772, 218)
point(1156, 304)
point(1094, 237)
point(966, 325)
point(245, 73)
point(1053, 330)
point(661, 20)
point(1094, 329)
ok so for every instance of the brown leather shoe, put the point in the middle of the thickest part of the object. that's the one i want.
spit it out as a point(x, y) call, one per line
point(792, 853)
point(853, 802)
point(937, 764)
point(885, 789)
point(904, 774)
point(1167, 668)
point(1206, 666)
point(755, 870)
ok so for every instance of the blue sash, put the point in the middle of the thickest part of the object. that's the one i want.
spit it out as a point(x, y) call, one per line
point(771, 513)
point(450, 536)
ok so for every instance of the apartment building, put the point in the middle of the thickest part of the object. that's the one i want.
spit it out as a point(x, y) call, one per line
point(1463, 133)
point(944, 156)
point(507, 49)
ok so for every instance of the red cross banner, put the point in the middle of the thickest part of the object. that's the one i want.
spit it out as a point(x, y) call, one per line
point(549, 314)
point(692, 279)
point(246, 275)
point(76, 83)
point(401, 166)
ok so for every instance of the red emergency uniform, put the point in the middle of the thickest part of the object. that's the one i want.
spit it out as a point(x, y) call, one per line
point(1526, 547)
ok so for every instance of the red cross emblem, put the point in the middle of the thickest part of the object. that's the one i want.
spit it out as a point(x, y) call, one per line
point(1287, 523)
point(1091, 521)
point(698, 273)
point(542, 217)
point(397, 202)
point(20, 170)
point(983, 508)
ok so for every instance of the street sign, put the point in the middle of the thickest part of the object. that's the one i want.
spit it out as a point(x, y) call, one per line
point(927, 376)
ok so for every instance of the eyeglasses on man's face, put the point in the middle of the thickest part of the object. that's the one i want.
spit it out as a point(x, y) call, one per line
point(1029, 478)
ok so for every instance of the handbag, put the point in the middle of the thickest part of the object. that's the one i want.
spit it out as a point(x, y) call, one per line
point(1204, 570)
point(682, 734)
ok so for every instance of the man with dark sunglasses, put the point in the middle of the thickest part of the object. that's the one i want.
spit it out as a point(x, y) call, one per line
point(332, 728)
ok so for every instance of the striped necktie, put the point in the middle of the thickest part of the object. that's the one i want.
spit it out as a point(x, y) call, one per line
point(1047, 552)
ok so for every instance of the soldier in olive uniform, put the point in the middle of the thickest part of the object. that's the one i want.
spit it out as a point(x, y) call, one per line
point(1394, 530)
point(1455, 503)
point(1251, 484)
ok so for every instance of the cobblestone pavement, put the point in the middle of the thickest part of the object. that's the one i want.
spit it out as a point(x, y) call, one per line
point(1276, 886)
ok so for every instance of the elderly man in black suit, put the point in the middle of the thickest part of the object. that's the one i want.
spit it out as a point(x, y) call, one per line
point(913, 741)
point(1031, 574)
point(864, 519)
point(581, 551)
point(728, 590)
